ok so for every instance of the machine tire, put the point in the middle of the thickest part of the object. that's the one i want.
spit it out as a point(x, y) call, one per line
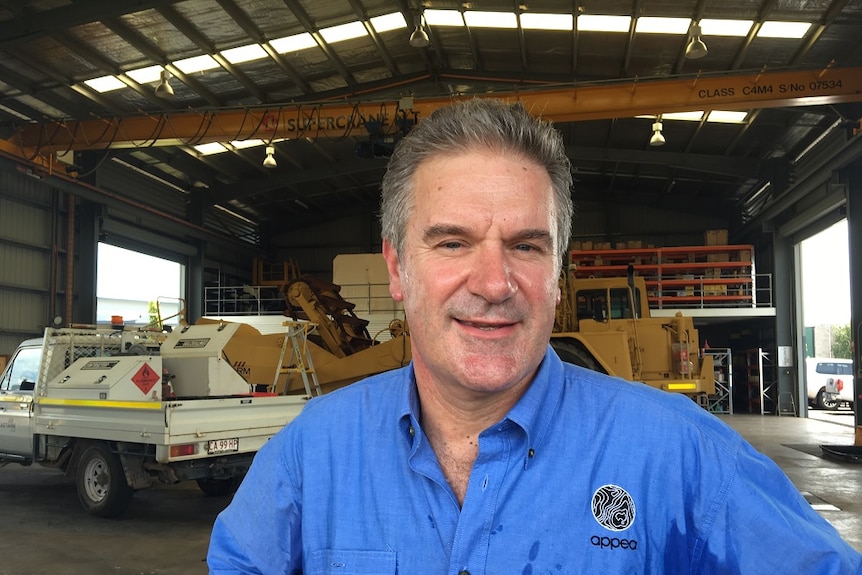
point(823, 403)
point(218, 487)
point(101, 482)
point(576, 354)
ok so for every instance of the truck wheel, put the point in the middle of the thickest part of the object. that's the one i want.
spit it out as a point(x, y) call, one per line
point(101, 482)
point(218, 487)
point(573, 353)
point(824, 401)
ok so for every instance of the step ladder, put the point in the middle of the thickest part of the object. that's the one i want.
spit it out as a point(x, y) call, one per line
point(296, 336)
point(786, 404)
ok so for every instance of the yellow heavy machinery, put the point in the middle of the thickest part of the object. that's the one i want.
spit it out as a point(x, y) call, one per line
point(324, 346)
point(604, 324)
point(340, 346)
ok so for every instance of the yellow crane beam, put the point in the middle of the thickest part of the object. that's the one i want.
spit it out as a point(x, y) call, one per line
point(336, 119)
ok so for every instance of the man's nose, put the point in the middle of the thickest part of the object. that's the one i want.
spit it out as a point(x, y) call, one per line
point(491, 275)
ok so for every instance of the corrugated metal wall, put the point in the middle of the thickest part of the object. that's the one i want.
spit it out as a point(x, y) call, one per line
point(315, 249)
point(33, 223)
point(659, 227)
point(31, 215)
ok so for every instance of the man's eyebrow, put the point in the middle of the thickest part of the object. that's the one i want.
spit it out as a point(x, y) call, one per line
point(536, 234)
point(442, 230)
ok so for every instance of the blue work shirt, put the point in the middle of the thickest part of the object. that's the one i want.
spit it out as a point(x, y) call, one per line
point(587, 474)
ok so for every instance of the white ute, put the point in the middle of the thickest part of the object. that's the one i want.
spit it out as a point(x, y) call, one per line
point(119, 410)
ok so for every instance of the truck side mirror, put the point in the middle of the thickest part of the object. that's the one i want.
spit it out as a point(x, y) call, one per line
point(27, 385)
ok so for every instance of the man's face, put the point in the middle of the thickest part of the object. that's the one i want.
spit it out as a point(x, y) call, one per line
point(479, 274)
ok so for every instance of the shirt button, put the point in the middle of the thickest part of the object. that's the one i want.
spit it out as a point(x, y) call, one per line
point(463, 572)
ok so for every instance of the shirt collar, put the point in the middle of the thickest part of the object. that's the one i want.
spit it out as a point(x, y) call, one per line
point(533, 413)
point(408, 403)
point(535, 410)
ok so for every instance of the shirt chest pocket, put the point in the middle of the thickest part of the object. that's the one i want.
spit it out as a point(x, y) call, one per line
point(351, 562)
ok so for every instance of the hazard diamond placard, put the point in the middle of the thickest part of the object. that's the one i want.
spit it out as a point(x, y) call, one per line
point(146, 378)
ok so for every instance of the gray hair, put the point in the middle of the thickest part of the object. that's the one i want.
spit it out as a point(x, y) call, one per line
point(466, 125)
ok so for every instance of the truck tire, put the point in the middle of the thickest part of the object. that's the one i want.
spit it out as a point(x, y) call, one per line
point(101, 482)
point(218, 487)
point(823, 401)
point(573, 353)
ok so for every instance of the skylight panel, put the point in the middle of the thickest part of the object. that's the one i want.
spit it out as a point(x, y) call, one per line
point(146, 75)
point(656, 25)
point(293, 43)
point(246, 53)
point(443, 17)
point(343, 32)
point(242, 144)
point(727, 117)
point(196, 64)
point(105, 83)
point(210, 149)
point(387, 22)
point(715, 116)
point(536, 21)
point(696, 116)
point(603, 23)
point(481, 19)
point(775, 29)
point(713, 27)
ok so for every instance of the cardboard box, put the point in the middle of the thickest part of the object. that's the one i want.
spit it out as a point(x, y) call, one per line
point(716, 237)
point(689, 289)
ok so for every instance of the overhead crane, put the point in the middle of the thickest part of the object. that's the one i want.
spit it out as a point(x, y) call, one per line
point(338, 118)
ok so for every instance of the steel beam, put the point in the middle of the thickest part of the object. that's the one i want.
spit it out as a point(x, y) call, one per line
point(337, 119)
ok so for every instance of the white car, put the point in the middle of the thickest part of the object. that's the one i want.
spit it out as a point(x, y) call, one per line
point(829, 381)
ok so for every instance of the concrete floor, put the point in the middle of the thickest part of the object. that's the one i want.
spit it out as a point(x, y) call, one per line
point(834, 487)
point(44, 531)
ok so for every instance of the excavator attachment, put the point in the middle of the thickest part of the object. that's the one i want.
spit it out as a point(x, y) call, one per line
point(339, 330)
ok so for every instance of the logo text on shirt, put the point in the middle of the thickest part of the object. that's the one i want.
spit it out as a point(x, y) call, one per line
point(613, 509)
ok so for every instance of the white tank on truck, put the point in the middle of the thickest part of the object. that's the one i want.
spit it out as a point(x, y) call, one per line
point(120, 410)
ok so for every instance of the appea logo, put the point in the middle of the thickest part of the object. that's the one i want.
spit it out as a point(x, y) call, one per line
point(613, 509)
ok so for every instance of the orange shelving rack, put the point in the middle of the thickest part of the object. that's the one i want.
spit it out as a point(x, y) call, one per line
point(679, 277)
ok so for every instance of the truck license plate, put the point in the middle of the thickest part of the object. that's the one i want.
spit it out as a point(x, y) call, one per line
point(215, 446)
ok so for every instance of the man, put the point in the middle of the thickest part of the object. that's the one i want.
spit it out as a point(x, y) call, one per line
point(488, 455)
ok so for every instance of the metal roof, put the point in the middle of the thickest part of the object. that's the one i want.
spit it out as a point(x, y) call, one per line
point(279, 61)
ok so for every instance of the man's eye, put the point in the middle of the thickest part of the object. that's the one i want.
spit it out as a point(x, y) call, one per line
point(451, 245)
point(525, 248)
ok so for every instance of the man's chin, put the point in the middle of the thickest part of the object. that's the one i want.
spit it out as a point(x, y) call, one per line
point(492, 373)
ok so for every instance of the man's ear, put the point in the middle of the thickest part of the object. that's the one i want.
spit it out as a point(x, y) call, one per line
point(395, 279)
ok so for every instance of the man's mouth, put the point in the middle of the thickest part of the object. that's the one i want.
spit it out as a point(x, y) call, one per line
point(484, 326)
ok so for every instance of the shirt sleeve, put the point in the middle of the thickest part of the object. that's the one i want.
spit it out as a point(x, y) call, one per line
point(260, 531)
point(765, 526)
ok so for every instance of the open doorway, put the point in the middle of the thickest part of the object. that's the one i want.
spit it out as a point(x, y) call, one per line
point(137, 287)
point(825, 269)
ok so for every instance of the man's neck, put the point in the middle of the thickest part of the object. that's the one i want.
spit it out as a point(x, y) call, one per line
point(453, 424)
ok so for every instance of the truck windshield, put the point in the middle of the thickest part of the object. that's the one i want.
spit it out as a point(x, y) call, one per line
point(24, 367)
point(602, 304)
